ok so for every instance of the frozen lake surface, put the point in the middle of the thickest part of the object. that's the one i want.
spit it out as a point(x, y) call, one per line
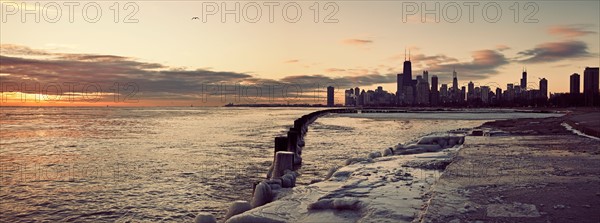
point(167, 164)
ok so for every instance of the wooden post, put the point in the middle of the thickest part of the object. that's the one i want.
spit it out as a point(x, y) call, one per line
point(281, 144)
point(283, 161)
point(293, 137)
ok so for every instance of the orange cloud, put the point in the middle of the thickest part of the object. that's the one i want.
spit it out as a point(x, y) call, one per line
point(569, 31)
point(292, 61)
point(358, 42)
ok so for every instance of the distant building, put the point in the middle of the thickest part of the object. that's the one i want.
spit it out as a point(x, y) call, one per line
point(422, 97)
point(575, 84)
point(426, 77)
point(349, 98)
point(454, 81)
point(471, 92)
point(330, 98)
point(455, 92)
point(524, 80)
point(498, 94)
point(590, 85)
point(399, 85)
point(543, 88)
point(485, 92)
point(360, 101)
point(434, 94)
point(444, 93)
point(407, 72)
point(509, 95)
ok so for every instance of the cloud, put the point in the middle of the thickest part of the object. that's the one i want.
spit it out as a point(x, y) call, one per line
point(160, 82)
point(554, 51)
point(156, 80)
point(570, 31)
point(484, 63)
point(502, 47)
point(357, 42)
point(12, 49)
point(334, 70)
point(310, 81)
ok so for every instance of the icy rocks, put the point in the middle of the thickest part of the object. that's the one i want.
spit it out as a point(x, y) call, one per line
point(331, 172)
point(336, 204)
point(388, 152)
point(205, 217)
point(358, 160)
point(515, 209)
point(262, 194)
point(246, 218)
point(415, 149)
point(443, 141)
point(477, 132)
point(237, 207)
point(374, 155)
point(291, 175)
point(288, 171)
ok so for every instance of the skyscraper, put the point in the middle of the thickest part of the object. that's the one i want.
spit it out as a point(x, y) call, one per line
point(435, 94)
point(498, 94)
point(399, 83)
point(524, 80)
point(485, 92)
point(422, 91)
point(407, 71)
point(455, 91)
point(471, 91)
point(434, 83)
point(543, 88)
point(348, 94)
point(590, 85)
point(575, 83)
point(330, 92)
point(444, 93)
point(400, 89)
point(454, 81)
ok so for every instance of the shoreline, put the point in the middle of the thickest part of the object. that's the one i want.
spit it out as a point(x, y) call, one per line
point(315, 208)
point(535, 171)
point(388, 186)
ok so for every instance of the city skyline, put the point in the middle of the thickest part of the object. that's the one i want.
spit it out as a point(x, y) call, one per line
point(419, 92)
point(357, 50)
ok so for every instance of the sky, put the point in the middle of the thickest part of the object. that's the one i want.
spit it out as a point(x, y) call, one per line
point(181, 53)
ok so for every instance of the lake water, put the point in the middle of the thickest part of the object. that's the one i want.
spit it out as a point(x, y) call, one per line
point(167, 164)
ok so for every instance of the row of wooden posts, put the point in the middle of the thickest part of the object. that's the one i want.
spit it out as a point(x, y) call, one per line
point(288, 148)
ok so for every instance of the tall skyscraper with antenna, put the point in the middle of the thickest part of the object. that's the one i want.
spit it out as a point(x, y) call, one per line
point(524, 79)
point(407, 70)
point(454, 80)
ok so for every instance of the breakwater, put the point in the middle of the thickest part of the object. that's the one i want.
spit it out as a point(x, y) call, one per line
point(287, 158)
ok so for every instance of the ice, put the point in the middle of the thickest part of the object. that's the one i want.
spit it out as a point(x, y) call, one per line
point(204, 217)
point(337, 204)
point(251, 219)
point(237, 207)
point(388, 152)
point(374, 155)
point(381, 190)
point(262, 194)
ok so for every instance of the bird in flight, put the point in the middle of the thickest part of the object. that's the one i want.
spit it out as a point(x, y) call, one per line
point(195, 18)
